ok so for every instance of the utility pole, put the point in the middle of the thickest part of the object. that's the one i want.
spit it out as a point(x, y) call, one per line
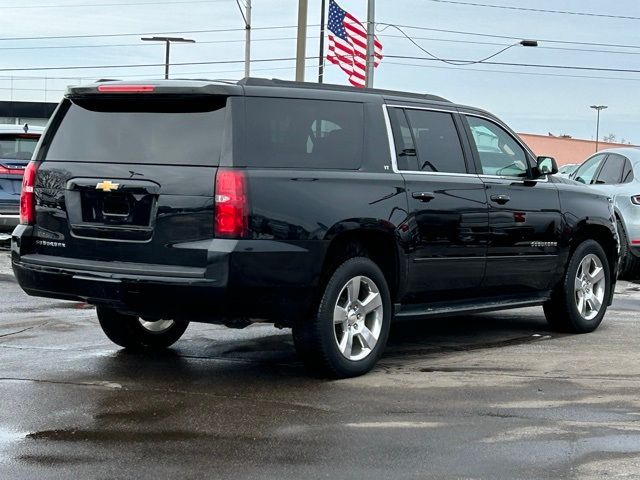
point(301, 50)
point(167, 41)
point(247, 40)
point(371, 54)
point(598, 108)
point(321, 56)
point(246, 16)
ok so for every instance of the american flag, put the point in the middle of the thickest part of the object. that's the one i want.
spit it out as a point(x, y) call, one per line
point(348, 45)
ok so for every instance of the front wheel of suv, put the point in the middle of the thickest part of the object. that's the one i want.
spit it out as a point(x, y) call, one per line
point(579, 303)
point(135, 333)
point(349, 331)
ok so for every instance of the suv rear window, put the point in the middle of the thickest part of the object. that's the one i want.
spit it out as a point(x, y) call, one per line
point(17, 146)
point(297, 133)
point(162, 130)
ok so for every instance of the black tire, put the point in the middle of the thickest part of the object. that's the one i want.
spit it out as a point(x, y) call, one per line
point(629, 267)
point(315, 339)
point(128, 332)
point(561, 310)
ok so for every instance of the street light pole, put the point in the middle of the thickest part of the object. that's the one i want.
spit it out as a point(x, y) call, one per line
point(598, 108)
point(167, 41)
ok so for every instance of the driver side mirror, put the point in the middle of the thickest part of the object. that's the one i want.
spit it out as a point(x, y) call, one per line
point(547, 166)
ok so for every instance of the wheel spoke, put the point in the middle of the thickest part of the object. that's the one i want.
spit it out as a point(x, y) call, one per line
point(368, 339)
point(594, 304)
point(353, 288)
point(346, 344)
point(578, 283)
point(339, 314)
point(580, 303)
point(586, 266)
point(371, 303)
point(597, 275)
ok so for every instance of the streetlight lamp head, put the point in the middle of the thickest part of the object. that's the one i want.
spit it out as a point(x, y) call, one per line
point(529, 43)
point(167, 39)
point(599, 107)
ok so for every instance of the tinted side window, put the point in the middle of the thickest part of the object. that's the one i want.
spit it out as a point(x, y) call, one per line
point(611, 172)
point(586, 171)
point(296, 133)
point(437, 142)
point(403, 139)
point(499, 153)
point(627, 173)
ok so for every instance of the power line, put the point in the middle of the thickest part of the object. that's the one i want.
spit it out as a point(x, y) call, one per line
point(98, 5)
point(530, 65)
point(99, 67)
point(277, 39)
point(136, 34)
point(537, 10)
point(489, 35)
point(222, 62)
point(472, 62)
point(142, 44)
point(485, 70)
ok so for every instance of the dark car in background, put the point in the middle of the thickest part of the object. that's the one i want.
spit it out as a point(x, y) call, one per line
point(17, 143)
point(327, 209)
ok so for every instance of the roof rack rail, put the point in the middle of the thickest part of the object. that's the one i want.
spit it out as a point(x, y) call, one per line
point(274, 82)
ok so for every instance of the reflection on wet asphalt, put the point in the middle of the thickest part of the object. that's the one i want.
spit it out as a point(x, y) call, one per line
point(487, 396)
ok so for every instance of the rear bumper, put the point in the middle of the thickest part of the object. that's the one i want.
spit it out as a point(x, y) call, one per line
point(238, 283)
point(9, 221)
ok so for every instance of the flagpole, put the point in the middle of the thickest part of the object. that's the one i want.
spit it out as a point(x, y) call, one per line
point(321, 56)
point(371, 18)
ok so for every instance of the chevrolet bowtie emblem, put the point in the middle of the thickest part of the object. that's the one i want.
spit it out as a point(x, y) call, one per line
point(107, 186)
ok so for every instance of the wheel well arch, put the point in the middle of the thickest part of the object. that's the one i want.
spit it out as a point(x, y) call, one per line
point(378, 245)
point(602, 235)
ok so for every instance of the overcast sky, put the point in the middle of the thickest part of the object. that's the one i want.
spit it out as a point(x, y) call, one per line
point(534, 100)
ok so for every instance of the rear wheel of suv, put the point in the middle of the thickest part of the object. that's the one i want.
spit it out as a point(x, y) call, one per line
point(349, 331)
point(580, 301)
point(629, 268)
point(135, 333)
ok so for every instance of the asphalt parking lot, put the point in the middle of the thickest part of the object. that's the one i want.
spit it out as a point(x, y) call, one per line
point(485, 397)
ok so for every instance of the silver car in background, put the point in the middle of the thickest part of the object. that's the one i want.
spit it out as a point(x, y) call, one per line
point(566, 170)
point(616, 173)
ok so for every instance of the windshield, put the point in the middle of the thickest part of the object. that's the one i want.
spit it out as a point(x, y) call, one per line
point(17, 146)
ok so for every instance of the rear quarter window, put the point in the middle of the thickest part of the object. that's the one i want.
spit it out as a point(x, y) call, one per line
point(300, 133)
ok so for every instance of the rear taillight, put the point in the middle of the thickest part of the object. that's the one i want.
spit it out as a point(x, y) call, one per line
point(232, 204)
point(27, 195)
point(635, 199)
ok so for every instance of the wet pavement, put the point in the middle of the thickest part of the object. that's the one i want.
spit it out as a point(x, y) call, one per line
point(489, 396)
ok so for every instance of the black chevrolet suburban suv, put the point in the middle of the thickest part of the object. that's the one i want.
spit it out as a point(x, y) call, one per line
point(331, 210)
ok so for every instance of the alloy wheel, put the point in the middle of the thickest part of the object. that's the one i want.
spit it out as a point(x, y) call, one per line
point(590, 286)
point(357, 318)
